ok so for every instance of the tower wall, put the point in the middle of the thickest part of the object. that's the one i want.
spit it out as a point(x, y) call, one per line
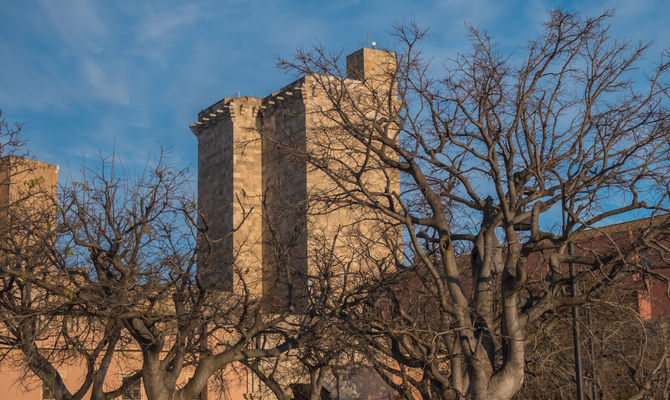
point(285, 264)
point(351, 243)
point(229, 192)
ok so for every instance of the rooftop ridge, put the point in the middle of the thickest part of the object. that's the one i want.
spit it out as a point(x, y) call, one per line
point(633, 225)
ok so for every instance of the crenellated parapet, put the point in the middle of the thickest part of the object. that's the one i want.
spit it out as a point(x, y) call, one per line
point(228, 108)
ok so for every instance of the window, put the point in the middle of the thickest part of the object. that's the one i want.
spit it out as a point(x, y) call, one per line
point(253, 383)
point(134, 391)
point(46, 392)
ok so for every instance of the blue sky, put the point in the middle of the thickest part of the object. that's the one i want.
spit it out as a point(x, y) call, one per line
point(93, 76)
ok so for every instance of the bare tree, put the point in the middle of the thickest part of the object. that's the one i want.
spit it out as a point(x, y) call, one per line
point(301, 374)
point(117, 270)
point(625, 355)
point(37, 327)
point(502, 159)
point(323, 352)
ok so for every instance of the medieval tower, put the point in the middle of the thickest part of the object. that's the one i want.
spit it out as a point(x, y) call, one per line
point(257, 193)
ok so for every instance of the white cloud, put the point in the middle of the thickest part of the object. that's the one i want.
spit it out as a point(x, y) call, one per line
point(159, 24)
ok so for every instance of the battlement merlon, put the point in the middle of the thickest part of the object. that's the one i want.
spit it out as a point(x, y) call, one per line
point(228, 108)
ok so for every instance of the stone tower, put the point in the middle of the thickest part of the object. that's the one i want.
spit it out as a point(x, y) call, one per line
point(256, 193)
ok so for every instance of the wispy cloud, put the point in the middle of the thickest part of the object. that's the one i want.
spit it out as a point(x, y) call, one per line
point(161, 23)
point(105, 85)
point(77, 23)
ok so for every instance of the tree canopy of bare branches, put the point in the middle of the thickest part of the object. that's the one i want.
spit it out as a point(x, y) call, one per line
point(506, 161)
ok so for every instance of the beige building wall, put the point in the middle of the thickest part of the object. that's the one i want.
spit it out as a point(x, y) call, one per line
point(16, 385)
point(26, 188)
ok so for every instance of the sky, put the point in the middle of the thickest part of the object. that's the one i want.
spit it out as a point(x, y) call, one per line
point(96, 77)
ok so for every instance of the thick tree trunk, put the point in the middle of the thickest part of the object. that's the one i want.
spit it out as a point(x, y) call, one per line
point(157, 385)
